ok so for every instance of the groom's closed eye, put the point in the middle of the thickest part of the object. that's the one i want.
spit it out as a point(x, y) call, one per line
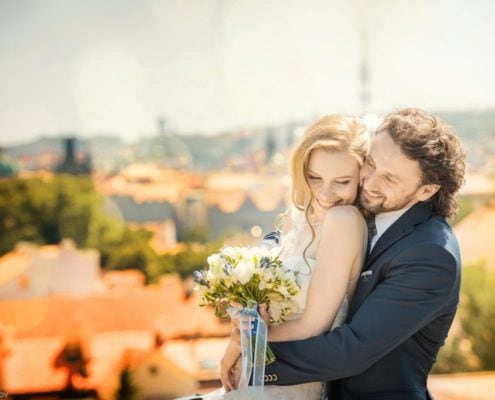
point(389, 179)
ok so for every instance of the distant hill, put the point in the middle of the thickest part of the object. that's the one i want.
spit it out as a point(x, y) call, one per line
point(472, 125)
point(212, 152)
point(207, 152)
point(36, 147)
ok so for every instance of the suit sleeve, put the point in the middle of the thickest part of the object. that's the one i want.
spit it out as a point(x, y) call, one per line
point(416, 287)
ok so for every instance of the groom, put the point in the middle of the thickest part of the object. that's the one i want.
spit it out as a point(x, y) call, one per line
point(408, 290)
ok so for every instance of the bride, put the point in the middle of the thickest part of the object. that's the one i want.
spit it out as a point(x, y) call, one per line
point(323, 237)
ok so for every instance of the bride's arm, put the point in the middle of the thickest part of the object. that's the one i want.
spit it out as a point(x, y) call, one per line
point(341, 244)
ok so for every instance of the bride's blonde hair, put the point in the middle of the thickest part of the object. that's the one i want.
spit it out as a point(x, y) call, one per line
point(334, 133)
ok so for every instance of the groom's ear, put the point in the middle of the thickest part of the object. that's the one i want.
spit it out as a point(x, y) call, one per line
point(427, 191)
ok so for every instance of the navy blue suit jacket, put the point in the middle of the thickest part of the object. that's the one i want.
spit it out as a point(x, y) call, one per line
point(399, 318)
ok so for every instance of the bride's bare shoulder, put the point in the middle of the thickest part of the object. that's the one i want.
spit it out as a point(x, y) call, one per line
point(344, 227)
point(344, 214)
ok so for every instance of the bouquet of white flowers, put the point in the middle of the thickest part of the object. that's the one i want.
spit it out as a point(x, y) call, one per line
point(246, 276)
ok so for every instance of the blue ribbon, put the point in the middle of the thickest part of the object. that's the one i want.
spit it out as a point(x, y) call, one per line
point(253, 347)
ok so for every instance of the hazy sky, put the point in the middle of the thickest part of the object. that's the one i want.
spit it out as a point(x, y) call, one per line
point(114, 66)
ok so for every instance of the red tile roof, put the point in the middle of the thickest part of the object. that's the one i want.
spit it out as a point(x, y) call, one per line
point(29, 366)
point(163, 308)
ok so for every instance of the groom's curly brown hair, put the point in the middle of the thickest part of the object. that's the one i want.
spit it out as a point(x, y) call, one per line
point(435, 145)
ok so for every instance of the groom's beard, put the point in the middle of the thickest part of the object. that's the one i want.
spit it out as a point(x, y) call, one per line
point(382, 204)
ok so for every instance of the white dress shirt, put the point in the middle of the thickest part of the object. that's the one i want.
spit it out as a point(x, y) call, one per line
point(383, 221)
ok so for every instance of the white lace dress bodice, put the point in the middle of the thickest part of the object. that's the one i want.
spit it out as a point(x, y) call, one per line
point(297, 263)
point(292, 244)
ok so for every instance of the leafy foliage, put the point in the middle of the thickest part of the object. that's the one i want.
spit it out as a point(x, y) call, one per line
point(192, 257)
point(47, 210)
point(131, 251)
point(471, 346)
point(478, 313)
point(196, 234)
point(465, 207)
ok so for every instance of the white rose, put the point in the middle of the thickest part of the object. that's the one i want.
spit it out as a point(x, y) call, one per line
point(283, 291)
point(267, 274)
point(213, 259)
point(243, 271)
point(275, 310)
point(231, 252)
point(215, 273)
point(250, 254)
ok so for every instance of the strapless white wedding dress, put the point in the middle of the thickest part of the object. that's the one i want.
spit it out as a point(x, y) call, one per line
point(292, 245)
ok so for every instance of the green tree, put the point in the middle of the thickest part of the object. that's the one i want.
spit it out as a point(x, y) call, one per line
point(47, 210)
point(471, 345)
point(456, 356)
point(133, 251)
point(194, 234)
point(478, 312)
point(465, 207)
point(193, 258)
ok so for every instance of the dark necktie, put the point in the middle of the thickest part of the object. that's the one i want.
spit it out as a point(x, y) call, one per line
point(370, 222)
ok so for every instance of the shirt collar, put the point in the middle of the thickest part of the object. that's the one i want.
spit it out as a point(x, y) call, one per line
point(385, 220)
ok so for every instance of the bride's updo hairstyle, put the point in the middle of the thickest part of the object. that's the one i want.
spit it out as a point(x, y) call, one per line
point(334, 133)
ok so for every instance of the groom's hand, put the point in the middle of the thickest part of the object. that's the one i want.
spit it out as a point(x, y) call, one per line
point(227, 377)
point(232, 353)
point(236, 373)
point(231, 374)
point(235, 323)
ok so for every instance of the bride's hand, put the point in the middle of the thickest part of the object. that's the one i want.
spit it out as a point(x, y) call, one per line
point(263, 310)
point(234, 321)
point(228, 361)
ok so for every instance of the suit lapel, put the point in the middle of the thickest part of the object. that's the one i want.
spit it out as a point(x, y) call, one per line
point(400, 228)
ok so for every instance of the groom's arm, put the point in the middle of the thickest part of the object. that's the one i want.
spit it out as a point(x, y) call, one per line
point(415, 289)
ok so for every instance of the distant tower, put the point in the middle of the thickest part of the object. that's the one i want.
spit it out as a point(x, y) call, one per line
point(70, 158)
point(364, 76)
point(290, 134)
point(70, 165)
point(270, 146)
point(161, 126)
point(364, 84)
point(166, 149)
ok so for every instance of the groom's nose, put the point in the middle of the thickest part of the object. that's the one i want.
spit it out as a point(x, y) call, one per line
point(369, 181)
